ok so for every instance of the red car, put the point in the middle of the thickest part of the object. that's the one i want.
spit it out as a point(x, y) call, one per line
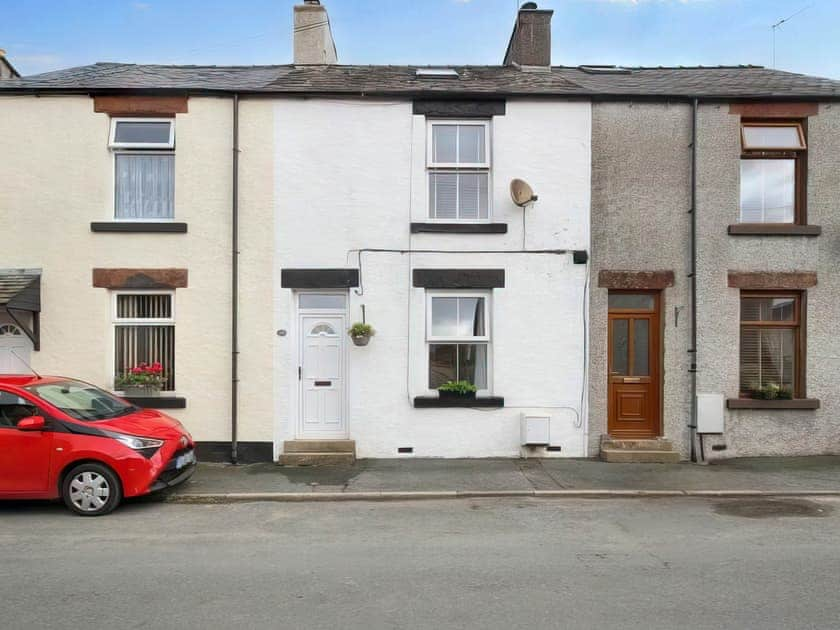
point(64, 438)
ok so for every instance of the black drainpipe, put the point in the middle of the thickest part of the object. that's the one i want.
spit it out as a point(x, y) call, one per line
point(693, 276)
point(234, 310)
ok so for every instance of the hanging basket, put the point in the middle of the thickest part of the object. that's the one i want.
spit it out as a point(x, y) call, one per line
point(361, 340)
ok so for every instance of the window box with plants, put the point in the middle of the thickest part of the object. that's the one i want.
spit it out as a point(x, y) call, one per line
point(143, 380)
point(361, 333)
point(771, 392)
point(457, 390)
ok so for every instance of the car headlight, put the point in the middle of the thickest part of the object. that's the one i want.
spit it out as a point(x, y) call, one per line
point(146, 446)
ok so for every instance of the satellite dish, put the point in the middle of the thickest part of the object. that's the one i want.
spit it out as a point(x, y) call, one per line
point(521, 193)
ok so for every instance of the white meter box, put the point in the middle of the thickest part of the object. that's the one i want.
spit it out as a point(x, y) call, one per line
point(709, 413)
point(536, 430)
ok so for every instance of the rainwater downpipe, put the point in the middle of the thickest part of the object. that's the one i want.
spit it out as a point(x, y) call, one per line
point(234, 291)
point(693, 276)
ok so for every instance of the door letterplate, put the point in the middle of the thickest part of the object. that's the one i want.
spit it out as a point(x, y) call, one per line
point(323, 383)
point(632, 379)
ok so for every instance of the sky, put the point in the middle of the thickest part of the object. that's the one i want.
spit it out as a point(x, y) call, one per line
point(43, 35)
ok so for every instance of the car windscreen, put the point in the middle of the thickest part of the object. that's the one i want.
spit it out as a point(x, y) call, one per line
point(81, 400)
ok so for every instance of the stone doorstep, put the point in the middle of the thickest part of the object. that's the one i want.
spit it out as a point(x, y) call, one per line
point(319, 446)
point(656, 444)
point(317, 459)
point(639, 456)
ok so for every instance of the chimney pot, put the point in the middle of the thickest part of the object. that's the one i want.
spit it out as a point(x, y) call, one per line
point(530, 42)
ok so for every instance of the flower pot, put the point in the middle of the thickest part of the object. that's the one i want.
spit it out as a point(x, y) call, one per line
point(445, 395)
point(361, 340)
point(141, 392)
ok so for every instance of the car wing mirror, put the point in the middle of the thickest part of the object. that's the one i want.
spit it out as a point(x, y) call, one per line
point(31, 423)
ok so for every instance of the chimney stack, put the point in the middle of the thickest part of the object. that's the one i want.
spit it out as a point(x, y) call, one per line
point(7, 70)
point(530, 42)
point(313, 37)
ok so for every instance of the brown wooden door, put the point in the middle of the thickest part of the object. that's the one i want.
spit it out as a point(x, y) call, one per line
point(634, 365)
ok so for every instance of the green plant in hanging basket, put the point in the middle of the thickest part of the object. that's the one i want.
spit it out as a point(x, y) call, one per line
point(361, 333)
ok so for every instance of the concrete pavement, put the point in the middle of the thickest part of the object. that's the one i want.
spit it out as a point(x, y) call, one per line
point(446, 478)
point(478, 563)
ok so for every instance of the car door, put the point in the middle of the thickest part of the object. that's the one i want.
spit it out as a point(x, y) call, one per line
point(24, 455)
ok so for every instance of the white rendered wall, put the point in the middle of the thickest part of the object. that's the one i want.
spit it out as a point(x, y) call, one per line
point(351, 175)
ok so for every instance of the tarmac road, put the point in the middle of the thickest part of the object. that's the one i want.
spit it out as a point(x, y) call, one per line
point(484, 563)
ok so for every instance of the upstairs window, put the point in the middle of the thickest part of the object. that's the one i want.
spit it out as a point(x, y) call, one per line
point(458, 335)
point(772, 172)
point(144, 168)
point(142, 133)
point(458, 163)
point(144, 332)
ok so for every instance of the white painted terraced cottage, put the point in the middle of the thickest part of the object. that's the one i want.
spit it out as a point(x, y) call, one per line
point(396, 211)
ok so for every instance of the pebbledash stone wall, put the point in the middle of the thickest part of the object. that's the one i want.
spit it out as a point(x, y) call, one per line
point(640, 226)
point(726, 262)
point(640, 234)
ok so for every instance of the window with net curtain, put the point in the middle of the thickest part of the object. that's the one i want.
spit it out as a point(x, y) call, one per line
point(458, 338)
point(144, 169)
point(770, 346)
point(458, 161)
point(771, 160)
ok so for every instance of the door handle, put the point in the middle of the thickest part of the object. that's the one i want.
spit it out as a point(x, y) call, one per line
point(323, 383)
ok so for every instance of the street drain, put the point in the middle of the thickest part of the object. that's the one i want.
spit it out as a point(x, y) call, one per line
point(771, 508)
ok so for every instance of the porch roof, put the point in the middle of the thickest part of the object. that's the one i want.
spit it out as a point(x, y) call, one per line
point(20, 289)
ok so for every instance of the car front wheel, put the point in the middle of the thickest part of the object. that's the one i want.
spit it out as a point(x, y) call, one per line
point(91, 490)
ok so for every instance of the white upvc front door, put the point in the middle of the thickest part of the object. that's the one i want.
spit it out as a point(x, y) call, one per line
point(322, 378)
point(15, 349)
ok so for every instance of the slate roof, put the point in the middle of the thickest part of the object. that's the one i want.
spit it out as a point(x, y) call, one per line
point(710, 82)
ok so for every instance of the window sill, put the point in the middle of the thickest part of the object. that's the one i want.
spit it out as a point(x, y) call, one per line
point(429, 402)
point(139, 227)
point(751, 403)
point(773, 229)
point(459, 228)
point(158, 402)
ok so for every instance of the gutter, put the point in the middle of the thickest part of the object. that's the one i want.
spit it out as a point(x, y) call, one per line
point(234, 285)
point(571, 94)
point(693, 277)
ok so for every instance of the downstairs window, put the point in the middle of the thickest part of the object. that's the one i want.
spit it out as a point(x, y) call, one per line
point(144, 332)
point(458, 338)
point(771, 345)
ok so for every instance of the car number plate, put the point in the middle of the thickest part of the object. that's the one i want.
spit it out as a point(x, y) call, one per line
point(185, 460)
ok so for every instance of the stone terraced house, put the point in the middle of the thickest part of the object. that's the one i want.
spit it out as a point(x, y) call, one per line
point(676, 241)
